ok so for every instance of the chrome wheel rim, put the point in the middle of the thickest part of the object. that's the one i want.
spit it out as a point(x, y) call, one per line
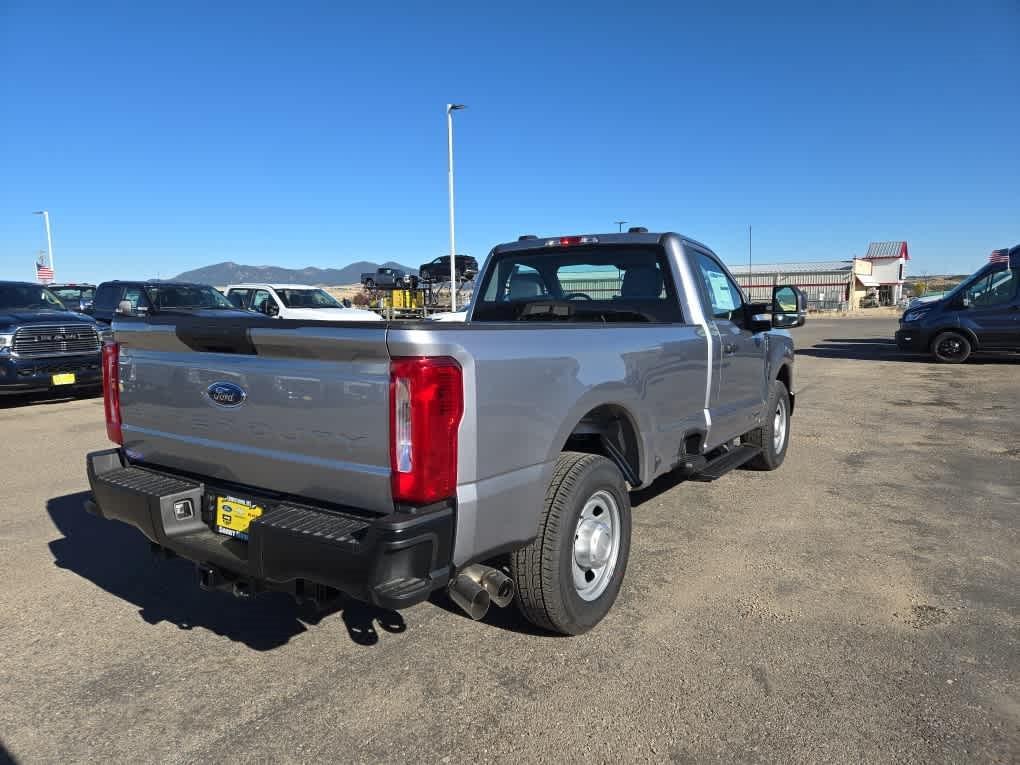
point(779, 427)
point(596, 545)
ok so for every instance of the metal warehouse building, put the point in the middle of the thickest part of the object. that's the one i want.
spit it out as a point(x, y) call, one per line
point(836, 285)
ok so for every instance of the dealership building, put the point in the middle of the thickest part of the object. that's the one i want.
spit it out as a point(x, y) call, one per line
point(836, 285)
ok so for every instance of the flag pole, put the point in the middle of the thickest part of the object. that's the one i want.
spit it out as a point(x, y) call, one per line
point(49, 238)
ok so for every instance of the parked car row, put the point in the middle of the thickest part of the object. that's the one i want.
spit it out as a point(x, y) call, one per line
point(51, 337)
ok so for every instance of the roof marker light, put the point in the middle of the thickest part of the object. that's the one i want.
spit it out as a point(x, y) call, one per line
point(570, 241)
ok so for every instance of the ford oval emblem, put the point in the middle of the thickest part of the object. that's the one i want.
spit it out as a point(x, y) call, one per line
point(226, 394)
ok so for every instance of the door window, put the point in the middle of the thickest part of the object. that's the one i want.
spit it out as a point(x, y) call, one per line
point(261, 301)
point(238, 297)
point(134, 296)
point(723, 294)
point(998, 288)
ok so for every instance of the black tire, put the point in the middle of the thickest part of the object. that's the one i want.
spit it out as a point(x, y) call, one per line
point(951, 347)
point(771, 456)
point(543, 571)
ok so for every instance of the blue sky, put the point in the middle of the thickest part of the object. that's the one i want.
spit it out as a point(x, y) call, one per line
point(313, 133)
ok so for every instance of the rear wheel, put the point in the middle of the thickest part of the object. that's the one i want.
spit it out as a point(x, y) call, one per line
point(774, 435)
point(568, 578)
point(951, 347)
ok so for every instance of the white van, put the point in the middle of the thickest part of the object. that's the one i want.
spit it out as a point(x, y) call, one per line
point(294, 301)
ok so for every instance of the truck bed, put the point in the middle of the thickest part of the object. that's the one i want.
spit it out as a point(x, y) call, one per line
point(315, 422)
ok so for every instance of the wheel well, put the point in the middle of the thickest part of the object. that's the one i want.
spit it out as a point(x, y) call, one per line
point(609, 430)
point(784, 377)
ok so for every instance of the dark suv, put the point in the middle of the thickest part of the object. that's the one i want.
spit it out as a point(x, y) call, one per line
point(42, 344)
point(151, 297)
point(981, 314)
point(438, 270)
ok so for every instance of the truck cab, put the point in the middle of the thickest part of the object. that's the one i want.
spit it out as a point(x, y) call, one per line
point(981, 314)
point(123, 298)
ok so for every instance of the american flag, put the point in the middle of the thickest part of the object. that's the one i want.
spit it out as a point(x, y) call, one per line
point(999, 256)
point(43, 273)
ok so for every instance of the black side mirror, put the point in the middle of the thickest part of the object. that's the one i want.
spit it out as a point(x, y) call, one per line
point(757, 317)
point(789, 307)
point(272, 309)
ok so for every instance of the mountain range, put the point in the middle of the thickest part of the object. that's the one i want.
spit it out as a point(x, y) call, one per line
point(222, 274)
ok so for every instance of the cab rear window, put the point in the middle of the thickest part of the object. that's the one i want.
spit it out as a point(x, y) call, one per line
point(602, 283)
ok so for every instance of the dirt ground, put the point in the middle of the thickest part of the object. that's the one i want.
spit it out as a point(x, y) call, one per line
point(861, 604)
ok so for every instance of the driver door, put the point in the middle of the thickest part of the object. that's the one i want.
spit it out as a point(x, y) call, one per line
point(993, 310)
point(739, 389)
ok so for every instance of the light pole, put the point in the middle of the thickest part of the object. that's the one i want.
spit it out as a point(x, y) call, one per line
point(49, 239)
point(450, 109)
point(620, 224)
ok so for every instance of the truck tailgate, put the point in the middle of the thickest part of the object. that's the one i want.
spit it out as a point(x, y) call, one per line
point(301, 410)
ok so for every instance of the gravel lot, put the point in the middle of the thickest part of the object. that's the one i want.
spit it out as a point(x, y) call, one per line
point(860, 604)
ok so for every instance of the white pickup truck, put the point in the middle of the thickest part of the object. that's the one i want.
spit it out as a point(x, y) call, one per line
point(488, 458)
point(294, 301)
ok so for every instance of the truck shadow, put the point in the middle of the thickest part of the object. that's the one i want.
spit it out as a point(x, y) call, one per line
point(883, 349)
point(19, 400)
point(116, 558)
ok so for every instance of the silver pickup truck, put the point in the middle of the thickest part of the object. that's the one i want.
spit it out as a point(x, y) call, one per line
point(489, 458)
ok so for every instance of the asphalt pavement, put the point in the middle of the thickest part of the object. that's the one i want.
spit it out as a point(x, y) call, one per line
point(861, 604)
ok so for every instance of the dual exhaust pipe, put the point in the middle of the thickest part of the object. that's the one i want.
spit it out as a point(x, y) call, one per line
point(476, 587)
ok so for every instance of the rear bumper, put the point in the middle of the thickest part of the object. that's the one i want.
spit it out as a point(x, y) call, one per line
point(21, 375)
point(392, 561)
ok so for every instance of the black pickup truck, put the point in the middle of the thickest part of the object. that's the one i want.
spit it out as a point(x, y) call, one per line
point(43, 345)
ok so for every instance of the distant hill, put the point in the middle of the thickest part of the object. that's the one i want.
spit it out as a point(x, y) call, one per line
point(222, 274)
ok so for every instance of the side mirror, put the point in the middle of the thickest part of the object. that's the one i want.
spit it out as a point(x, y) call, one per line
point(124, 307)
point(88, 307)
point(789, 307)
point(272, 309)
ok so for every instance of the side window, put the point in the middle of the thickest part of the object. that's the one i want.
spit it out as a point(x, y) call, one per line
point(134, 296)
point(998, 288)
point(724, 295)
point(106, 297)
point(261, 301)
point(238, 297)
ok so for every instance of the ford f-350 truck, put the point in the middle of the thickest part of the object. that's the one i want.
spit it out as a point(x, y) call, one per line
point(490, 458)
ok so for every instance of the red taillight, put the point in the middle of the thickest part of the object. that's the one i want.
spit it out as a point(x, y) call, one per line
point(111, 392)
point(426, 404)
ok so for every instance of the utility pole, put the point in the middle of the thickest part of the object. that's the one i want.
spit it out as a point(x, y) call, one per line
point(450, 109)
point(620, 224)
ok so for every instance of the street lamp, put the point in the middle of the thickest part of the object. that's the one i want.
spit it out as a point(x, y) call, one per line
point(49, 240)
point(450, 109)
point(621, 224)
